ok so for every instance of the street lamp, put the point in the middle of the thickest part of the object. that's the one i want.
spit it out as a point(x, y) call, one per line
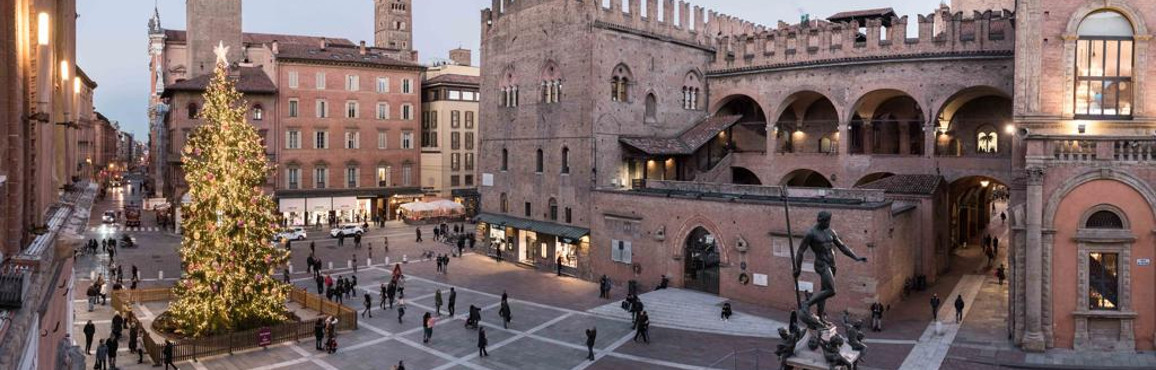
point(42, 28)
point(984, 183)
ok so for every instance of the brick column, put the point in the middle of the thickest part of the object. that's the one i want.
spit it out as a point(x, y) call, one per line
point(1033, 336)
point(844, 137)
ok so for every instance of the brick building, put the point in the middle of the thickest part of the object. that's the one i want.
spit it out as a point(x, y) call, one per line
point(339, 119)
point(450, 128)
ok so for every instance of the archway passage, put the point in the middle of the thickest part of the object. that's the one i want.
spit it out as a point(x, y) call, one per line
point(701, 262)
point(887, 122)
point(974, 202)
point(806, 179)
point(809, 123)
point(750, 133)
point(743, 176)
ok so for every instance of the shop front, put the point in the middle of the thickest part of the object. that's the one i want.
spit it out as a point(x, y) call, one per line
point(337, 206)
point(534, 243)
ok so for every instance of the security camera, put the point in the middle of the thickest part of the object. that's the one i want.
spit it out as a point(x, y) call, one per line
point(1024, 131)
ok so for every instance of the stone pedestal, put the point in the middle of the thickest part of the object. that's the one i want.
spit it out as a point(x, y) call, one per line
point(814, 359)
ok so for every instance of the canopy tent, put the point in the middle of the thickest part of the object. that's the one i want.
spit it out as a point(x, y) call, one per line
point(431, 209)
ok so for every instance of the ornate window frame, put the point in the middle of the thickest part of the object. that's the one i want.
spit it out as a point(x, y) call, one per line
point(1119, 242)
point(1141, 38)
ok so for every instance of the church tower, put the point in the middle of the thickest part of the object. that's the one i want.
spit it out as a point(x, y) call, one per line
point(393, 24)
point(210, 22)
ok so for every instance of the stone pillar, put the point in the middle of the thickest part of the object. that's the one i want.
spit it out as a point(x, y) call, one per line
point(868, 137)
point(772, 138)
point(904, 138)
point(844, 138)
point(1034, 338)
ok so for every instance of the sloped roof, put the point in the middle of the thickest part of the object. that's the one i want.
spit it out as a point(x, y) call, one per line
point(455, 80)
point(906, 184)
point(265, 38)
point(342, 54)
point(250, 80)
point(686, 142)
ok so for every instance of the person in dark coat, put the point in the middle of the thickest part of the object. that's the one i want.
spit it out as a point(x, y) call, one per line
point(1001, 274)
point(101, 355)
point(418, 231)
point(504, 312)
point(636, 307)
point(452, 300)
point(133, 333)
point(438, 302)
point(400, 310)
point(167, 353)
point(89, 331)
point(117, 326)
point(482, 342)
point(113, 346)
point(877, 316)
point(958, 308)
point(319, 333)
point(642, 328)
point(426, 327)
point(368, 305)
point(935, 307)
point(591, 335)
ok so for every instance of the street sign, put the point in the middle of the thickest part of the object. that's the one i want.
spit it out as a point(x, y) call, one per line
point(1143, 262)
point(264, 337)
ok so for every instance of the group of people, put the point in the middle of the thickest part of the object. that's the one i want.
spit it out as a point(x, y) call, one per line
point(959, 305)
point(990, 248)
point(100, 288)
point(107, 348)
point(325, 332)
point(639, 318)
point(339, 289)
point(443, 263)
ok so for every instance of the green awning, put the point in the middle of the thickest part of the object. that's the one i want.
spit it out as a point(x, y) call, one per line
point(561, 231)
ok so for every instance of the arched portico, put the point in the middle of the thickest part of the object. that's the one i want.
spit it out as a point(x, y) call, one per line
point(886, 121)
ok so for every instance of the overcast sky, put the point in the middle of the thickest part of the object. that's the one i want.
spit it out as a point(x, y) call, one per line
point(112, 35)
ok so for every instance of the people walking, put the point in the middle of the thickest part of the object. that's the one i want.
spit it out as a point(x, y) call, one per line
point(995, 246)
point(133, 333)
point(558, 266)
point(418, 231)
point(482, 342)
point(426, 329)
point(877, 316)
point(642, 327)
point(1001, 273)
point(452, 300)
point(117, 325)
point(319, 334)
point(113, 347)
point(167, 354)
point(438, 302)
point(89, 331)
point(591, 335)
point(368, 305)
point(101, 355)
point(504, 312)
point(726, 312)
point(400, 310)
point(958, 308)
point(935, 307)
point(391, 290)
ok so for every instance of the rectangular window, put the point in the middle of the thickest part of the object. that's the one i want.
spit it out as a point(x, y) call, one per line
point(1104, 78)
point(322, 109)
point(351, 177)
point(381, 140)
point(407, 140)
point(321, 175)
point(528, 210)
point(293, 79)
point(469, 161)
point(455, 181)
point(455, 119)
point(429, 129)
point(293, 139)
point(470, 96)
point(352, 82)
point(1103, 281)
point(383, 176)
point(293, 109)
point(320, 80)
point(569, 219)
point(293, 178)
point(455, 140)
point(407, 112)
point(351, 109)
point(469, 180)
point(382, 111)
point(406, 175)
point(620, 251)
point(382, 85)
point(352, 140)
point(469, 141)
point(469, 119)
point(456, 162)
point(321, 141)
point(455, 95)
point(407, 86)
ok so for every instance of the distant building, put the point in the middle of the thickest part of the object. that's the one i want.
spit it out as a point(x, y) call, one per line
point(450, 129)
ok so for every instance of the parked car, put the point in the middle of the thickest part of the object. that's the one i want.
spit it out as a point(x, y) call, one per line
point(347, 230)
point(108, 217)
point(295, 233)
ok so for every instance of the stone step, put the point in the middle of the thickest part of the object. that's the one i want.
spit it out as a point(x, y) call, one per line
point(693, 311)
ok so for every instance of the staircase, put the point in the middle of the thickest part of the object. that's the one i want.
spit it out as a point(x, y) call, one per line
point(693, 311)
point(720, 173)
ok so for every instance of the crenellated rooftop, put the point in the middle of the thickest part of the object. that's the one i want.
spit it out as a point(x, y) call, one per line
point(821, 42)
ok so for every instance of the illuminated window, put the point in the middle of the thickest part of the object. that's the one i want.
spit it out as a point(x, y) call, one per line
point(1104, 60)
point(1103, 281)
point(986, 140)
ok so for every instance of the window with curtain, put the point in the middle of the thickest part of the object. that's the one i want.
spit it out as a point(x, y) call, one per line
point(1104, 60)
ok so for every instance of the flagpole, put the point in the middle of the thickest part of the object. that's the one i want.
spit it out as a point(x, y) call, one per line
point(791, 243)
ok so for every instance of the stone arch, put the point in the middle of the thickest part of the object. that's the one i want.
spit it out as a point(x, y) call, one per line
point(650, 114)
point(793, 96)
point(550, 70)
point(676, 244)
point(807, 120)
point(1053, 202)
point(806, 178)
point(886, 121)
point(741, 104)
point(1121, 216)
point(873, 177)
point(961, 116)
point(1139, 27)
point(743, 176)
point(970, 207)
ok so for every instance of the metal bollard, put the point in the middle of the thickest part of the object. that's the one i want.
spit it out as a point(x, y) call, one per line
point(369, 262)
point(387, 260)
point(330, 265)
point(92, 275)
point(348, 264)
point(290, 267)
point(160, 275)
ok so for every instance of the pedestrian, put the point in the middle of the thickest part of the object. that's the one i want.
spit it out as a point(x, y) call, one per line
point(437, 234)
point(1001, 274)
point(340, 240)
point(312, 248)
point(958, 308)
point(401, 286)
point(640, 330)
point(935, 307)
point(117, 325)
point(320, 283)
point(400, 310)
point(591, 335)
point(285, 275)
point(663, 283)
point(726, 312)
point(92, 293)
point(353, 284)
point(368, 305)
point(113, 347)
point(426, 327)
point(391, 289)
point(135, 272)
point(319, 333)
point(101, 355)
point(558, 265)
point(357, 241)
point(309, 263)
point(438, 302)
point(482, 342)
point(140, 349)
point(445, 264)
point(636, 307)
point(877, 316)
point(384, 296)
point(461, 246)
point(472, 242)
point(133, 333)
point(1003, 217)
point(995, 246)
point(453, 299)
point(89, 331)
point(504, 312)
point(103, 294)
point(418, 231)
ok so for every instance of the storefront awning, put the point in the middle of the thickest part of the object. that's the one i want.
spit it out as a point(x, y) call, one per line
point(562, 231)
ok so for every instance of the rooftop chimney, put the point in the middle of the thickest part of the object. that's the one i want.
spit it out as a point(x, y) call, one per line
point(462, 57)
point(276, 48)
point(362, 48)
point(324, 43)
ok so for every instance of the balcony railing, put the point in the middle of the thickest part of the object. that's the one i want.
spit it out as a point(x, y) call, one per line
point(1135, 150)
point(1089, 149)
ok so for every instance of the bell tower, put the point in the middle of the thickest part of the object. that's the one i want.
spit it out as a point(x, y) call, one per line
point(211, 22)
point(393, 27)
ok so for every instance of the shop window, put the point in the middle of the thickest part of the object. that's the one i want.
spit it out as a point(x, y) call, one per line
point(1104, 61)
point(1103, 281)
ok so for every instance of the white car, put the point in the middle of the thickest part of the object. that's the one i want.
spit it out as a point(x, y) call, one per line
point(347, 230)
point(295, 233)
point(108, 217)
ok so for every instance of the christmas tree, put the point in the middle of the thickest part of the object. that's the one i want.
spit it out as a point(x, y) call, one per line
point(228, 259)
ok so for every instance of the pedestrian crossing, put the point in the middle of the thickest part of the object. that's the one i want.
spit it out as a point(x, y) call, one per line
point(135, 229)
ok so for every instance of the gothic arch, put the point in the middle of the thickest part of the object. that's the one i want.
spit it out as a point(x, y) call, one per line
point(1053, 202)
point(676, 244)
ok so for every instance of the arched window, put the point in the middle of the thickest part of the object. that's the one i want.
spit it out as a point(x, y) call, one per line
point(193, 110)
point(1104, 220)
point(505, 203)
point(539, 161)
point(620, 84)
point(565, 160)
point(258, 112)
point(690, 91)
point(553, 209)
point(505, 159)
point(651, 108)
point(986, 140)
point(1104, 60)
point(551, 83)
point(509, 90)
point(828, 144)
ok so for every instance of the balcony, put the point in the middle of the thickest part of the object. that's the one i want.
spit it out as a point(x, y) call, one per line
point(1077, 149)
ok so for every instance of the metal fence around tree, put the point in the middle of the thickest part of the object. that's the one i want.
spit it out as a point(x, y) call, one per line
point(194, 348)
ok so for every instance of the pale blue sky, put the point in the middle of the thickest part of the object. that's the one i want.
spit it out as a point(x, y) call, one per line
point(112, 35)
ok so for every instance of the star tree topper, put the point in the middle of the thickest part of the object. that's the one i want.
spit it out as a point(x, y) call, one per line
point(222, 52)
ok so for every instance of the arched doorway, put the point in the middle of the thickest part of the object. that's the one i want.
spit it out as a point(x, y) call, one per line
point(806, 179)
point(974, 202)
point(743, 176)
point(701, 262)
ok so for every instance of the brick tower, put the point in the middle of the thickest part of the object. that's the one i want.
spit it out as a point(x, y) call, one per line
point(394, 24)
point(209, 23)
